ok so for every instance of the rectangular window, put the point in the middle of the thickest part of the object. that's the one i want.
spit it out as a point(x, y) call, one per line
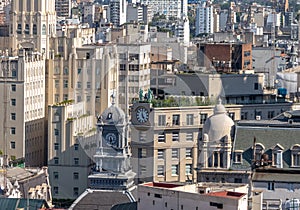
point(161, 120)
point(56, 132)
point(203, 118)
point(13, 116)
point(176, 119)
point(56, 160)
point(188, 169)
point(76, 161)
point(55, 190)
point(190, 119)
point(88, 85)
point(13, 88)
point(13, 73)
point(161, 137)
point(271, 186)
point(66, 83)
point(189, 136)
point(56, 146)
point(174, 170)
point(189, 152)
point(76, 175)
point(143, 169)
point(175, 153)
point(13, 130)
point(13, 102)
point(238, 157)
point(160, 170)
point(75, 191)
point(277, 159)
point(296, 159)
point(256, 86)
point(142, 153)
point(65, 97)
point(160, 154)
point(271, 114)
point(13, 145)
point(56, 84)
point(76, 146)
point(244, 115)
point(175, 136)
point(55, 175)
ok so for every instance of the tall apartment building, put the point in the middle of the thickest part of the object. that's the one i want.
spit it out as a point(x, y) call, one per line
point(70, 133)
point(32, 23)
point(23, 110)
point(135, 13)
point(133, 72)
point(117, 12)
point(63, 8)
point(173, 8)
point(204, 18)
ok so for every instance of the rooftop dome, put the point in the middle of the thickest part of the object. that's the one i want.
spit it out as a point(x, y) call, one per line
point(218, 125)
point(113, 115)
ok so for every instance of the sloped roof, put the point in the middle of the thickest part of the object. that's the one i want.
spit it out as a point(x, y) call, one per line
point(125, 206)
point(14, 203)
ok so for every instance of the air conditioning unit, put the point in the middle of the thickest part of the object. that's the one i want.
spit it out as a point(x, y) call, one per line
point(258, 117)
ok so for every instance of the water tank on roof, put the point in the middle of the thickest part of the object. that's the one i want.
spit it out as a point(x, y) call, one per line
point(282, 92)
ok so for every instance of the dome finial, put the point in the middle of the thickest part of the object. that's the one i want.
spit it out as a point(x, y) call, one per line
point(113, 99)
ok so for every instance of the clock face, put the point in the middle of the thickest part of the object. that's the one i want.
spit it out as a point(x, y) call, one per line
point(111, 138)
point(142, 115)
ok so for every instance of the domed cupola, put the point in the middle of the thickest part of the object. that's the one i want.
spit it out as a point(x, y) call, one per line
point(219, 125)
point(113, 115)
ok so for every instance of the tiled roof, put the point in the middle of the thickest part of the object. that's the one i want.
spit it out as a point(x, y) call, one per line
point(18, 203)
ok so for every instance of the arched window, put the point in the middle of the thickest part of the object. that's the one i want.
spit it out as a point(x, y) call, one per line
point(277, 156)
point(44, 29)
point(295, 155)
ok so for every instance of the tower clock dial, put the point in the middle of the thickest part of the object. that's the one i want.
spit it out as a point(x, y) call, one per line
point(111, 139)
point(142, 115)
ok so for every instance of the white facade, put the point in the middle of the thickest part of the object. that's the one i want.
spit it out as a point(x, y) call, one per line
point(204, 19)
point(170, 8)
point(117, 12)
point(182, 30)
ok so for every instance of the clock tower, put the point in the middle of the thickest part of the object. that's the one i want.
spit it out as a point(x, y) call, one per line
point(112, 169)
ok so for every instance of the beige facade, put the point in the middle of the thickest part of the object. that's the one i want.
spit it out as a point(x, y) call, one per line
point(166, 147)
point(32, 23)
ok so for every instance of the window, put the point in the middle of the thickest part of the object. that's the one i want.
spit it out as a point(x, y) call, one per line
point(161, 137)
point(34, 29)
point(55, 175)
point(76, 146)
point(88, 85)
point(189, 152)
point(27, 29)
point(175, 136)
point(13, 145)
point(55, 190)
point(13, 116)
point(56, 132)
point(277, 156)
point(271, 114)
point(238, 157)
point(175, 153)
point(44, 29)
point(176, 119)
point(19, 30)
point(66, 82)
point(203, 118)
point(271, 186)
point(75, 175)
point(66, 71)
point(13, 73)
point(161, 120)
point(256, 86)
point(174, 170)
point(76, 161)
point(79, 71)
point(143, 170)
point(13, 88)
point(56, 83)
point(13, 102)
point(295, 151)
point(160, 170)
point(188, 169)
point(13, 130)
point(56, 146)
point(75, 191)
point(190, 119)
point(160, 154)
point(244, 115)
point(142, 153)
point(189, 136)
point(56, 160)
